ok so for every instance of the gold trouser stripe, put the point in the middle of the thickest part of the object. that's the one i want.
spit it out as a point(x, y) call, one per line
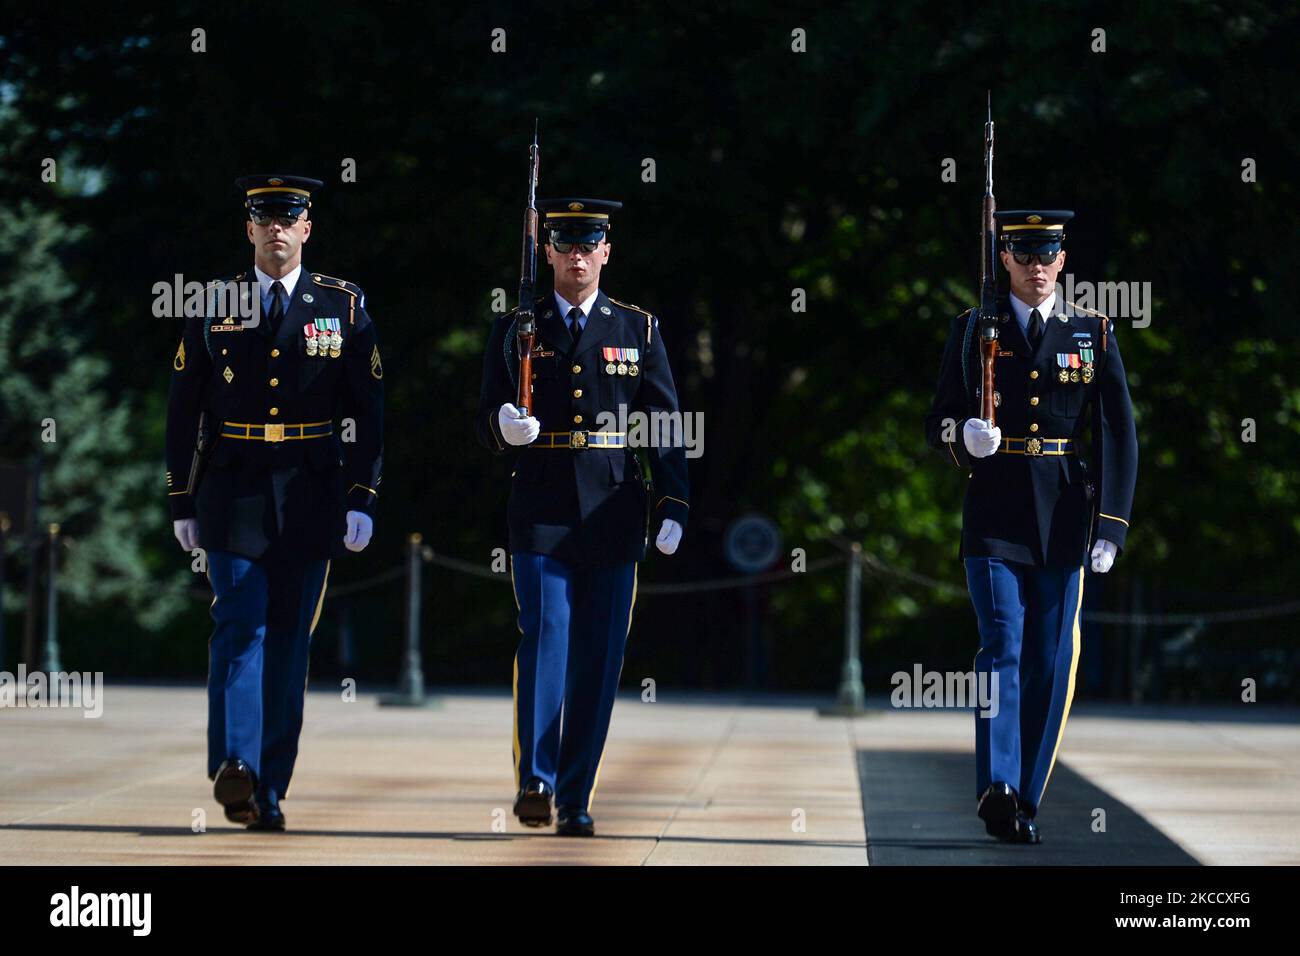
point(306, 678)
point(1069, 689)
point(1102, 514)
point(596, 778)
point(514, 684)
point(320, 601)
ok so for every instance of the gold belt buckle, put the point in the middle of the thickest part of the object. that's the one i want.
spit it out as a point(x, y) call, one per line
point(1033, 446)
point(273, 432)
point(578, 439)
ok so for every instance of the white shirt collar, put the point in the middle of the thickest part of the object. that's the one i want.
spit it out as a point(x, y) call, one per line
point(1023, 309)
point(289, 281)
point(585, 307)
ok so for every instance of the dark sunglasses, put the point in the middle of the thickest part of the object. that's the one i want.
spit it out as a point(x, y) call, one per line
point(1042, 258)
point(284, 219)
point(564, 248)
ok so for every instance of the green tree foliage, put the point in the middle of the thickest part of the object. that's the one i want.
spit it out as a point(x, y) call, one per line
point(55, 403)
point(774, 171)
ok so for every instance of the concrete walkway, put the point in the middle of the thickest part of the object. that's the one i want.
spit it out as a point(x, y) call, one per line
point(702, 781)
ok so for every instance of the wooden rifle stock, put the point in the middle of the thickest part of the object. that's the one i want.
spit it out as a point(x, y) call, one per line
point(526, 323)
point(988, 282)
point(526, 330)
point(988, 355)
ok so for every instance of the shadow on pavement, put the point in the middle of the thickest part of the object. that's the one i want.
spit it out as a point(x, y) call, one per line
point(919, 808)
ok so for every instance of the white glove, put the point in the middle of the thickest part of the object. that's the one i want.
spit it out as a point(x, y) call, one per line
point(670, 535)
point(981, 440)
point(187, 532)
point(359, 529)
point(1103, 555)
point(517, 430)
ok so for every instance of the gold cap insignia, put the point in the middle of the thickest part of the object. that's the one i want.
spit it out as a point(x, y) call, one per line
point(1034, 219)
point(575, 207)
point(275, 182)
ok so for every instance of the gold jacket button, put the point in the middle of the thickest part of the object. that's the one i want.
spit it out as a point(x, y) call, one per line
point(1034, 374)
point(225, 351)
point(275, 353)
point(1034, 427)
point(274, 410)
point(577, 369)
point(1034, 400)
point(577, 419)
point(577, 393)
point(275, 382)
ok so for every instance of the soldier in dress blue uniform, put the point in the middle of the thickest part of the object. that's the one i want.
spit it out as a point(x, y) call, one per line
point(272, 493)
point(1035, 511)
point(578, 507)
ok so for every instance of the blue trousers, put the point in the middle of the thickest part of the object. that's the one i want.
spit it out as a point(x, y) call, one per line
point(1029, 636)
point(573, 624)
point(265, 611)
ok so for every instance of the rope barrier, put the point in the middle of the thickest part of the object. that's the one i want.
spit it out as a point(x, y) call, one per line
point(367, 583)
point(870, 562)
point(1107, 617)
point(876, 566)
point(719, 584)
point(687, 587)
point(1202, 617)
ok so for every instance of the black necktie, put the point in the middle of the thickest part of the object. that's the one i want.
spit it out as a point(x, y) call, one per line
point(277, 306)
point(575, 324)
point(1035, 329)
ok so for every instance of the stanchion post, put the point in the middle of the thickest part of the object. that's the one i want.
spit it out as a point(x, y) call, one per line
point(851, 699)
point(410, 686)
point(4, 547)
point(50, 656)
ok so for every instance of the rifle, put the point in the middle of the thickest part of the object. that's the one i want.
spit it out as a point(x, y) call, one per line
point(525, 322)
point(988, 312)
point(205, 440)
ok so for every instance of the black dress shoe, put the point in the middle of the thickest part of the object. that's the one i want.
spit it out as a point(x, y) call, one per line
point(574, 822)
point(1021, 829)
point(272, 818)
point(1026, 830)
point(234, 788)
point(998, 807)
point(533, 804)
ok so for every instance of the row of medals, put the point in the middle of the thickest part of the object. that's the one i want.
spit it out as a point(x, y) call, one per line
point(620, 364)
point(1068, 374)
point(316, 344)
point(1076, 375)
